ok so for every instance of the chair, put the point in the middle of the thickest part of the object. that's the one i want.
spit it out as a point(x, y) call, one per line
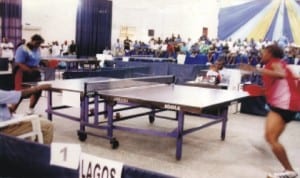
point(36, 126)
point(181, 58)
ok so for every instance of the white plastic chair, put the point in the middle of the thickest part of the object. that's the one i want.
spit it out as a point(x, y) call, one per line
point(36, 126)
point(181, 58)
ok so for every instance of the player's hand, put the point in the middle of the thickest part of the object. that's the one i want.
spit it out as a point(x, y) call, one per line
point(43, 87)
point(247, 67)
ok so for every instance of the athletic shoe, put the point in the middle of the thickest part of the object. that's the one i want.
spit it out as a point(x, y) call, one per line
point(284, 174)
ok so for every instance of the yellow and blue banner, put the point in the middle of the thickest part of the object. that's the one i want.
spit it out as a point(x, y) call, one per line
point(261, 20)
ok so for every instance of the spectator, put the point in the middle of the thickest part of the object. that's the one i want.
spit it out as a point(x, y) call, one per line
point(72, 48)
point(184, 48)
point(65, 48)
point(13, 97)
point(55, 49)
point(127, 42)
point(7, 49)
point(117, 47)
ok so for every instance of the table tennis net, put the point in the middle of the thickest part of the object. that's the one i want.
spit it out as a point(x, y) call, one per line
point(96, 86)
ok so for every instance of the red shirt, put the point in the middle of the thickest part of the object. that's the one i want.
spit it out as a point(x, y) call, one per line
point(282, 92)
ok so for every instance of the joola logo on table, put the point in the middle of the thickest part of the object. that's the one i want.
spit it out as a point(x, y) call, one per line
point(121, 100)
point(172, 107)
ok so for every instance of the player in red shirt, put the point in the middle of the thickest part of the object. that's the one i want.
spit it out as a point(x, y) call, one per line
point(283, 98)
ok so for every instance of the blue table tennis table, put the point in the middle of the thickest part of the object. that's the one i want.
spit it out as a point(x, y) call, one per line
point(158, 93)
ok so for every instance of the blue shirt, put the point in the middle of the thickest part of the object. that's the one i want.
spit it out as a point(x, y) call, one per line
point(7, 97)
point(26, 56)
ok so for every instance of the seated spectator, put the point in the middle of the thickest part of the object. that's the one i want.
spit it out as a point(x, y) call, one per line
point(183, 48)
point(13, 97)
point(213, 75)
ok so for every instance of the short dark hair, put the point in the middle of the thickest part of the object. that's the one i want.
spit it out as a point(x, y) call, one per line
point(37, 37)
point(275, 50)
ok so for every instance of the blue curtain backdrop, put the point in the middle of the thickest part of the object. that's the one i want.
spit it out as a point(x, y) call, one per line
point(11, 20)
point(93, 27)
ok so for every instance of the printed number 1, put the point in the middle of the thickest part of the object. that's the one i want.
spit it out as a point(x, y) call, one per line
point(64, 151)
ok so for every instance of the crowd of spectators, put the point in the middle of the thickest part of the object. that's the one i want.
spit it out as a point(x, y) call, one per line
point(231, 51)
point(7, 48)
point(55, 49)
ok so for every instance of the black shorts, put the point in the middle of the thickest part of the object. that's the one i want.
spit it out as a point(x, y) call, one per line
point(34, 76)
point(286, 115)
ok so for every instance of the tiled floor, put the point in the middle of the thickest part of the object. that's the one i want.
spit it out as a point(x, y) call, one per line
point(243, 154)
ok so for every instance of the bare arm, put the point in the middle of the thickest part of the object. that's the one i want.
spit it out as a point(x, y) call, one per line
point(24, 67)
point(276, 71)
point(33, 90)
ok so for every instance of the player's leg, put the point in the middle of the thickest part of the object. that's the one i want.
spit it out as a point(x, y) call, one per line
point(34, 99)
point(275, 125)
point(35, 77)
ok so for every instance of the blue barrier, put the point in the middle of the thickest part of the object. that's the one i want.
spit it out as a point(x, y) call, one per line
point(197, 59)
point(21, 158)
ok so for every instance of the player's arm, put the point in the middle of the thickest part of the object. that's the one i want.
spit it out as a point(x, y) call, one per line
point(33, 90)
point(277, 71)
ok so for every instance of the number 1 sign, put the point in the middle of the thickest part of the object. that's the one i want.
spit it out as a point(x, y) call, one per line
point(65, 155)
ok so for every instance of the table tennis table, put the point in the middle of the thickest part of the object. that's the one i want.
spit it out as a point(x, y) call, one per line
point(158, 93)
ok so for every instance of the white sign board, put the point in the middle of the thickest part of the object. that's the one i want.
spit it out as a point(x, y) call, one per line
point(125, 59)
point(65, 155)
point(94, 167)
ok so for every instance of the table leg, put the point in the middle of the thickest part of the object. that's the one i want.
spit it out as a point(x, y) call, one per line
point(110, 117)
point(84, 118)
point(96, 110)
point(152, 115)
point(49, 105)
point(84, 111)
point(224, 115)
point(180, 118)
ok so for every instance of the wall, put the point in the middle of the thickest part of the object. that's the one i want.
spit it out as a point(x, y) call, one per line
point(53, 19)
point(165, 17)
point(56, 19)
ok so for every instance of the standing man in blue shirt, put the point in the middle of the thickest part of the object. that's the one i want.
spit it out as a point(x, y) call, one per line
point(12, 97)
point(26, 68)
